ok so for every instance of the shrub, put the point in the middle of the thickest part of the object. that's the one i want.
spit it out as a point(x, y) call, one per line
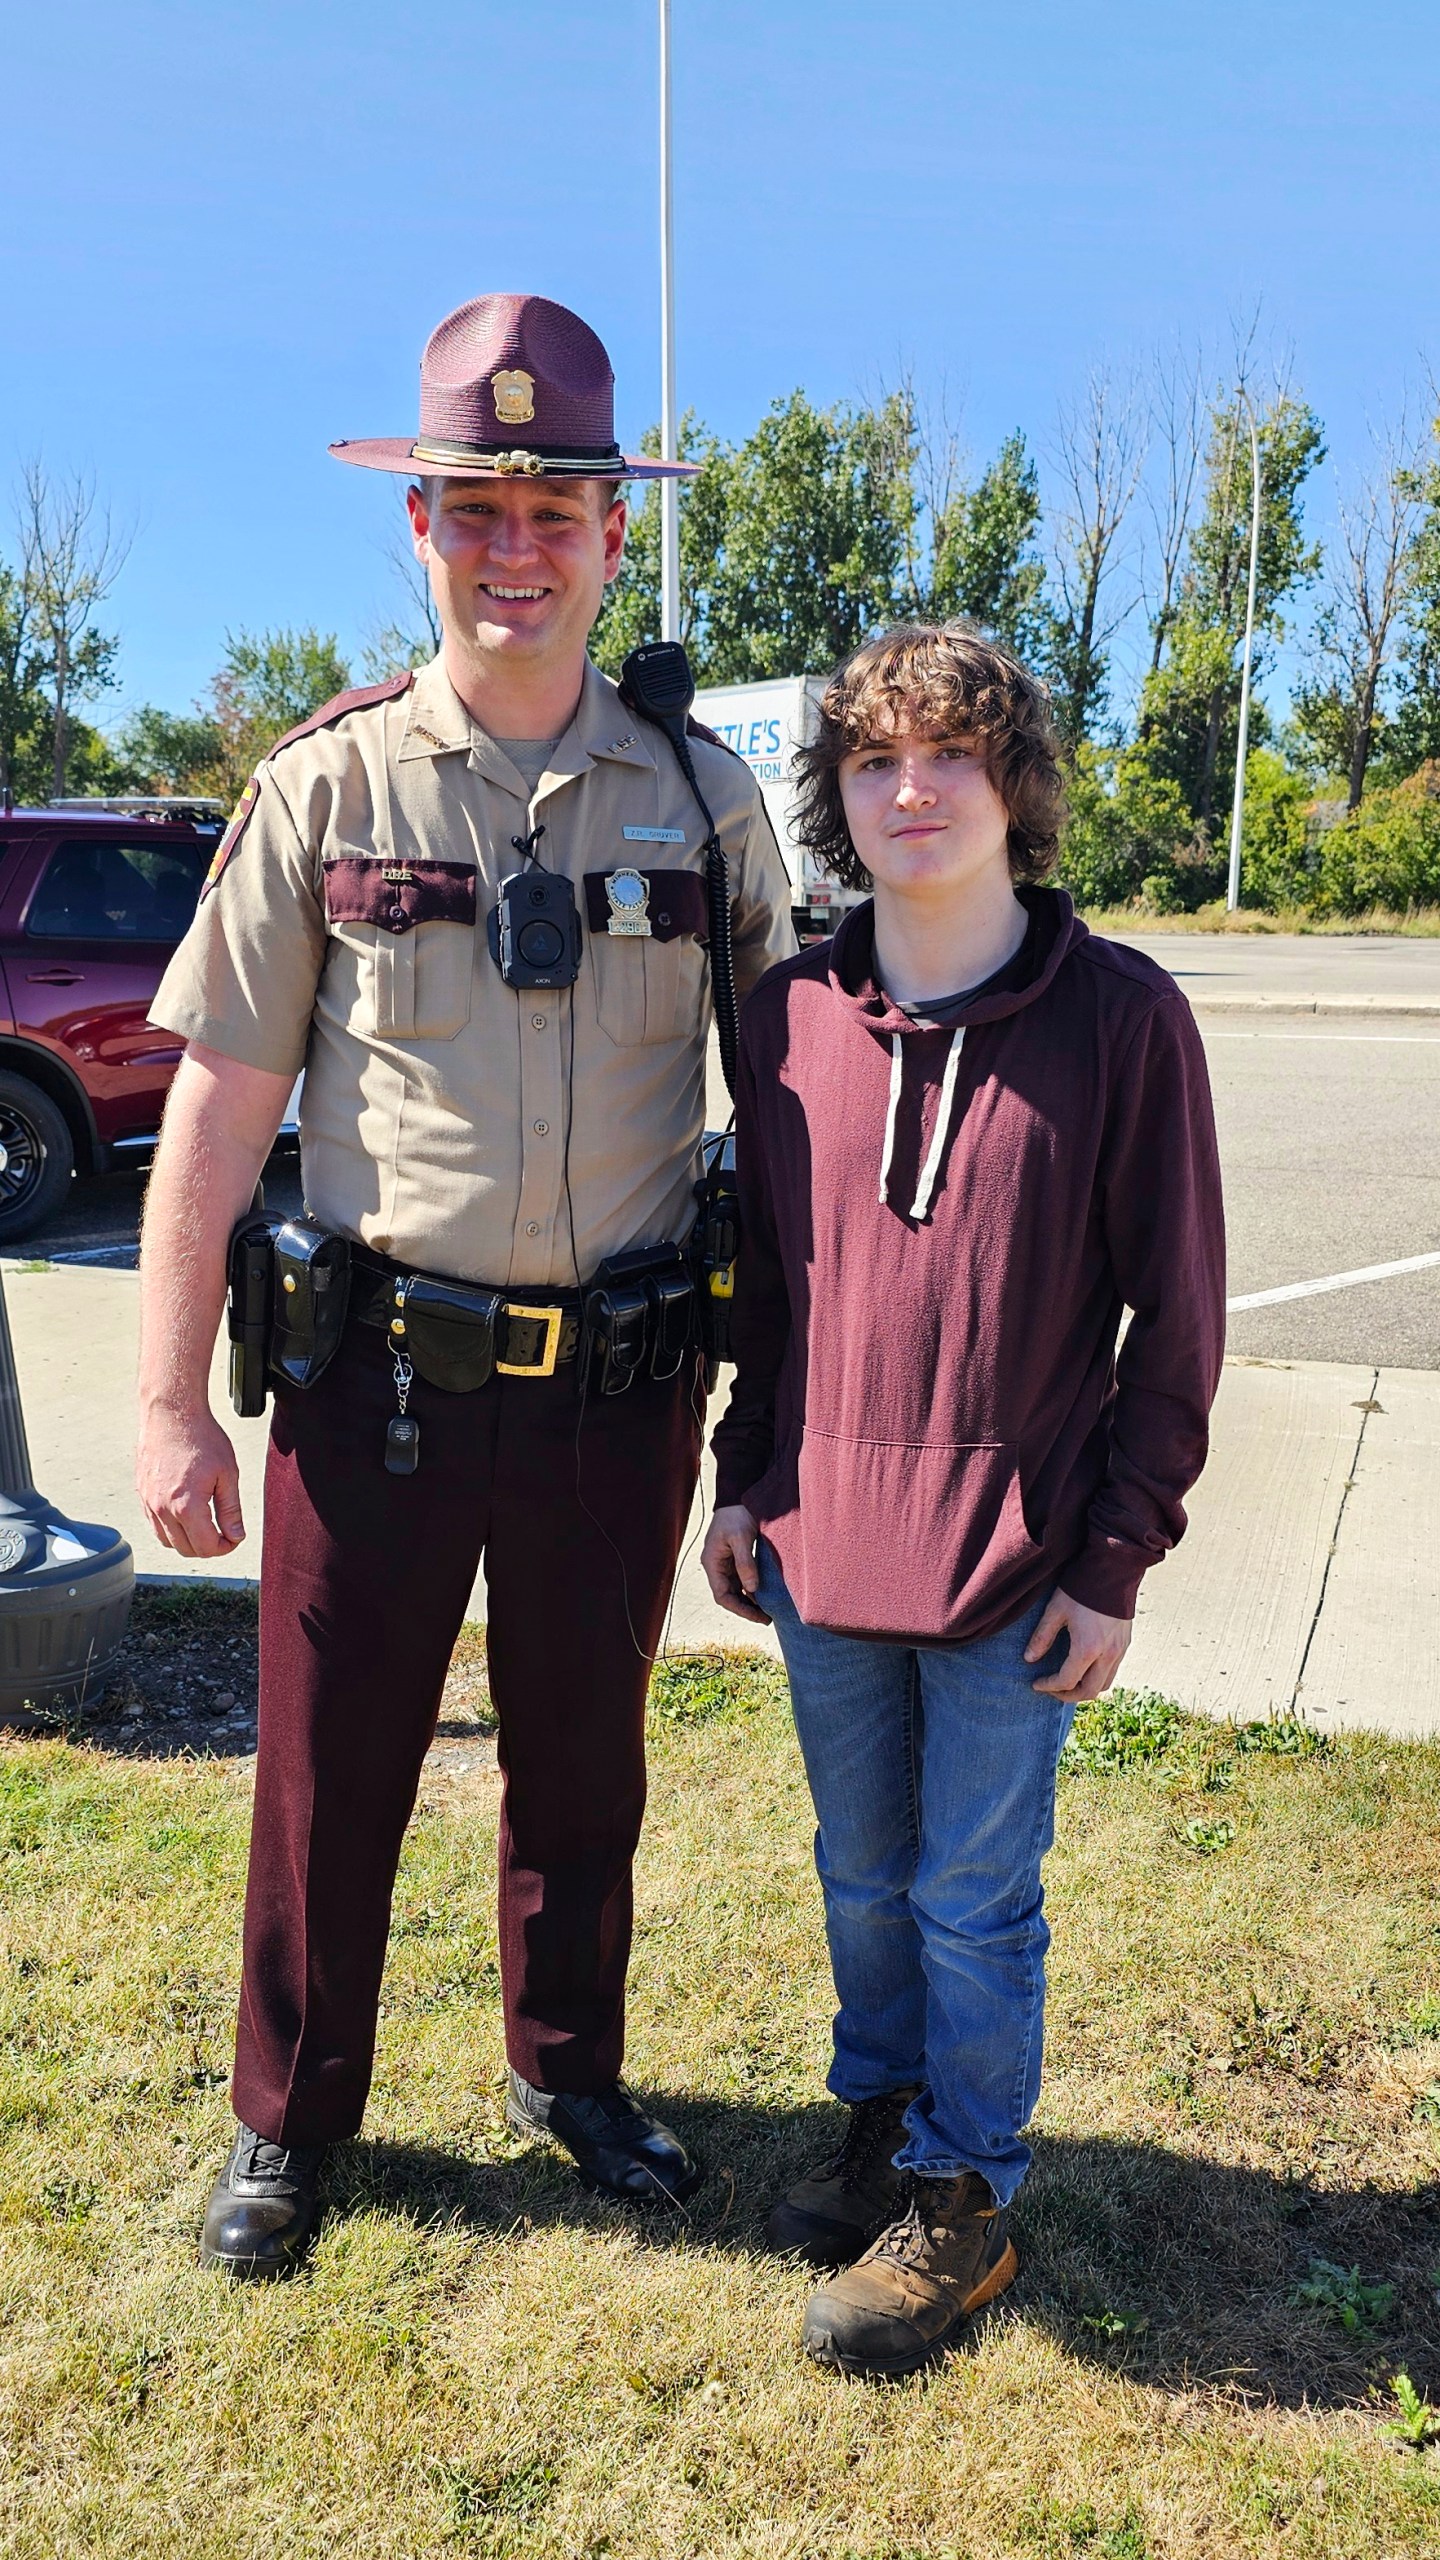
point(1387, 854)
point(1277, 860)
point(1129, 829)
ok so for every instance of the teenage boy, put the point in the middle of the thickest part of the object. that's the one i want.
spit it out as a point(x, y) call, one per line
point(970, 1134)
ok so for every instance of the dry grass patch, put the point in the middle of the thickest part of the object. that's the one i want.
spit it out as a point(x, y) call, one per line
point(1416, 923)
point(1244, 2086)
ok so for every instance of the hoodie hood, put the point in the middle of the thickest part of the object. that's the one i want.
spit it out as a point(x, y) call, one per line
point(1056, 929)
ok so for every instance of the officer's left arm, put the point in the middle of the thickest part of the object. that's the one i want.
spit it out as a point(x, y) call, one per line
point(761, 927)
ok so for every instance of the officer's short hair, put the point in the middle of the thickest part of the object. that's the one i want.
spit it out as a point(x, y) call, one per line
point(942, 680)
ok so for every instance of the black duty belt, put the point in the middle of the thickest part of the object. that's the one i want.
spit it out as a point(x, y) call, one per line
point(460, 1332)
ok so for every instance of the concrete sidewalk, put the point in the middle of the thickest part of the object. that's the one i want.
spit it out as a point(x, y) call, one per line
point(1310, 1578)
point(1344, 974)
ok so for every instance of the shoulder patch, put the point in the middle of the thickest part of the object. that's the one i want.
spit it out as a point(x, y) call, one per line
point(240, 818)
point(361, 698)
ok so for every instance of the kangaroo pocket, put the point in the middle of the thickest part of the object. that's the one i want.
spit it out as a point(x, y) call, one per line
point(408, 930)
point(908, 1539)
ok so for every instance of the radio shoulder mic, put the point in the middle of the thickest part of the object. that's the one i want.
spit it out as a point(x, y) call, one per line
point(656, 681)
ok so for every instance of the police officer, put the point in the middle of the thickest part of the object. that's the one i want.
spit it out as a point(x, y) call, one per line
point(453, 1123)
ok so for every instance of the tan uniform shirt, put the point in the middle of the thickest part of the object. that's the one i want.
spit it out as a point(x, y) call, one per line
point(469, 1128)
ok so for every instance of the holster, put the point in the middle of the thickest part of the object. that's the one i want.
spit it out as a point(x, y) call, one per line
point(639, 1317)
point(252, 1285)
point(288, 1294)
point(310, 1301)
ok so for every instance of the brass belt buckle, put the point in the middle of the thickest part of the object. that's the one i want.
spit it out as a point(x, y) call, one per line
point(544, 1367)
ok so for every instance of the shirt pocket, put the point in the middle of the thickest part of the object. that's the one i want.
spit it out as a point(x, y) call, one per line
point(649, 987)
point(410, 927)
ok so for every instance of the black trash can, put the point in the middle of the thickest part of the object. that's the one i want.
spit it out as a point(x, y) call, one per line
point(65, 1585)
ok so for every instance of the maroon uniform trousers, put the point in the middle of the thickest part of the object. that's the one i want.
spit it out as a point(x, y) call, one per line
point(579, 1507)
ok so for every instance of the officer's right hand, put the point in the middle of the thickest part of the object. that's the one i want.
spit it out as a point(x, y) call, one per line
point(189, 1482)
point(728, 1560)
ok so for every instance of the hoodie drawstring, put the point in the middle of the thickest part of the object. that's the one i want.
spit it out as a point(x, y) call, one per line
point(920, 1205)
point(897, 1070)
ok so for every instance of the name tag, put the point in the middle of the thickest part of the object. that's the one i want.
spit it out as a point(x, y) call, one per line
point(653, 835)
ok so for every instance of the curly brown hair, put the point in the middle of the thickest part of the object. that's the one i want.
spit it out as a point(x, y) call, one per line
point(942, 680)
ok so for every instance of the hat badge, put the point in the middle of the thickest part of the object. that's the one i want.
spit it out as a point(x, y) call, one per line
point(514, 396)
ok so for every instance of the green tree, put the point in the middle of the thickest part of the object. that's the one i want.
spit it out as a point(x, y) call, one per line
point(24, 712)
point(168, 752)
point(1412, 736)
point(1190, 705)
point(817, 505)
point(71, 557)
point(267, 684)
point(1342, 716)
point(1127, 826)
point(1099, 454)
point(630, 613)
point(986, 564)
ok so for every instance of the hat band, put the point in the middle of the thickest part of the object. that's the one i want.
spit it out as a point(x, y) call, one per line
point(521, 461)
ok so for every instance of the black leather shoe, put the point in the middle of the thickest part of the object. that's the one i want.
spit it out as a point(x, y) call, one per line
point(262, 2208)
point(617, 2149)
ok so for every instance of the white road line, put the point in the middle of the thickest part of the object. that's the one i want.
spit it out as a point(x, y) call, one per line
point(1344, 1039)
point(1337, 1280)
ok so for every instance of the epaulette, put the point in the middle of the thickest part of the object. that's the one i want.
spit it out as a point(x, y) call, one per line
point(359, 698)
point(696, 729)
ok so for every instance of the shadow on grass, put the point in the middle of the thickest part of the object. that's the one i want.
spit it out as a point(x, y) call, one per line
point(1172, 2269)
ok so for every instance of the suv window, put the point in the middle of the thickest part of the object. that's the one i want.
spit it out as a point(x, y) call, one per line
point(143, 892)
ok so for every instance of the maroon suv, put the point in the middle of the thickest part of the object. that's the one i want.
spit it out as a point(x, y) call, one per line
point(94, 897)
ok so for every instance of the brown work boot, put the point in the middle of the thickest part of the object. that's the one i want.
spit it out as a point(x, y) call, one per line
point(900, 2306)
point(835, 2213)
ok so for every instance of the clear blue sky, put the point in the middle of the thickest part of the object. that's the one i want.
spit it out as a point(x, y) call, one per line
point(227, 230)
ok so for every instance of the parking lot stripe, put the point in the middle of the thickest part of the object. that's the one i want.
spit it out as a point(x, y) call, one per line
point(1336, 1280)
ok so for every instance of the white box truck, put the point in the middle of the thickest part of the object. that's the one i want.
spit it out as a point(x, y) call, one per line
point(765, 723)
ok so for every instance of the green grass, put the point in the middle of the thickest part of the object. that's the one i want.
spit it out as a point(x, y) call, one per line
point(1231, 2148)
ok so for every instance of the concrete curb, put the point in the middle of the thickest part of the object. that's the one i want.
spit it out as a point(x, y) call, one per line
point(1418, 1007)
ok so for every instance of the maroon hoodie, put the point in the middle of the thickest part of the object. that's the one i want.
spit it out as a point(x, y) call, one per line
point(941, 1230)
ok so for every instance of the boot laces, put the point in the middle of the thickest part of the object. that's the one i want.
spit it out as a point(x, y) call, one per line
point(261, 2158)
point(925, 2225)
point(871, 2126)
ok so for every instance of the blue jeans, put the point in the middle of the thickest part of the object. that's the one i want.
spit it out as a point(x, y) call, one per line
point(932, 1770)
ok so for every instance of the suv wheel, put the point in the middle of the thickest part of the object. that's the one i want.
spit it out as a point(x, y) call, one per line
point(37, 1157)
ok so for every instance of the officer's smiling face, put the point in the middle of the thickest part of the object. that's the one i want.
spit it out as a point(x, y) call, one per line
point(517, 568)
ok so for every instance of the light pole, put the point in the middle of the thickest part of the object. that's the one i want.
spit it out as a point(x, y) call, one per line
point(669, 424)
point(1237, 813)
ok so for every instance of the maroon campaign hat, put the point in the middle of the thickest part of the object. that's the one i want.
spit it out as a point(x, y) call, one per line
point(505, 363)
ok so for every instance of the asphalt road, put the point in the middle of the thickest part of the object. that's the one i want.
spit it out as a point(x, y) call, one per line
point(1329, 1135)
point(1330, 1143)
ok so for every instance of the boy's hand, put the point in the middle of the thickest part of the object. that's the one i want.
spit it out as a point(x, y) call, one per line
point(728, 1561)
point(1097, 1648)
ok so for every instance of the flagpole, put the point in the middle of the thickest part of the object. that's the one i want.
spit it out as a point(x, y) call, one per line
point(669, 423)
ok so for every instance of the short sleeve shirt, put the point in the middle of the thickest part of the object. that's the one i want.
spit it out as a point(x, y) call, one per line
point(448, 1120)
